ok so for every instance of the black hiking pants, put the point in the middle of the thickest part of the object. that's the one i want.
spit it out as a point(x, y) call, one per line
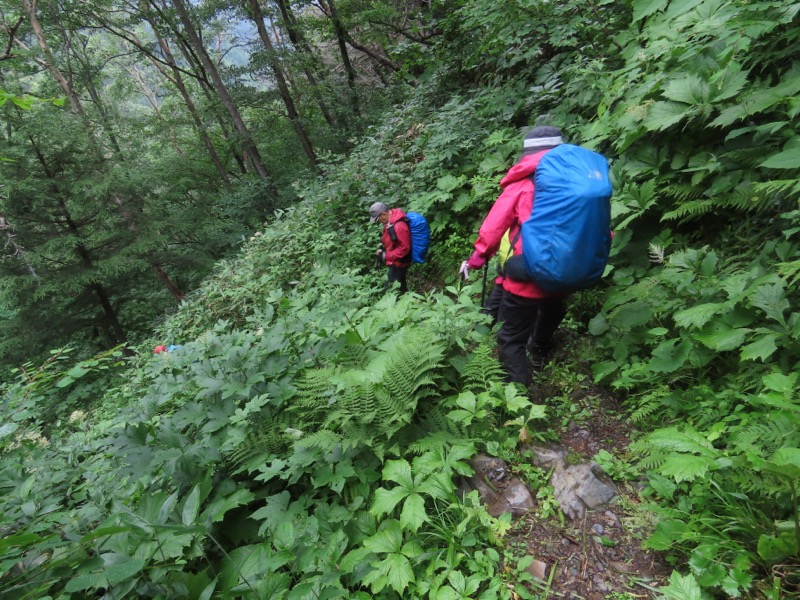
point(522, 319)
point(397, 274)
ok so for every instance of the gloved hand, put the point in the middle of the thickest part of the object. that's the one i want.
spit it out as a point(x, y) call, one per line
point(380, 257)
point(464, 270)
point(476, 261)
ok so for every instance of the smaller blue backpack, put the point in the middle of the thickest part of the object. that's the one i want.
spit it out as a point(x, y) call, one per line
point(420, 236)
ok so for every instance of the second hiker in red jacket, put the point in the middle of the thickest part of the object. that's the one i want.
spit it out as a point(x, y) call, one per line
point(526, 311)
point(395, 247)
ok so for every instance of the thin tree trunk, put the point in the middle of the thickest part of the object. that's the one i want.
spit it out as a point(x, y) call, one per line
point(177, 81)
point(290, 24)
point(341, 35)
point(283, 88)
point(248, 145)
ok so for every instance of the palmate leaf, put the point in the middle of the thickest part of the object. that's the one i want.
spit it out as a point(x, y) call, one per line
point(398, 572)
point(772, 300)
point(690, 89)
point(398, 471)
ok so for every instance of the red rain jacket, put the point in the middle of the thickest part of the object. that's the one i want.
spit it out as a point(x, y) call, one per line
point(510, 210)
point(398, 252)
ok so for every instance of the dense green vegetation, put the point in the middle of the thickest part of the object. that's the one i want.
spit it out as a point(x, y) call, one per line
point(305, 440)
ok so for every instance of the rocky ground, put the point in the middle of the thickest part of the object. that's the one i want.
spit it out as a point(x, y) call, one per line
point(580, 528)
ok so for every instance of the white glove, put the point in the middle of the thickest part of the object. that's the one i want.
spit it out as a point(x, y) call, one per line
point(464, 270)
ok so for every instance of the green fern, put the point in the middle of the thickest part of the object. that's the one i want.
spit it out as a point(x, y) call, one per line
point(689, 210)
point(482, 369)
point(777, 431)
point(265, 440)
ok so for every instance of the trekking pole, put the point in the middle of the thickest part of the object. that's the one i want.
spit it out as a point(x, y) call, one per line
point(483, 290)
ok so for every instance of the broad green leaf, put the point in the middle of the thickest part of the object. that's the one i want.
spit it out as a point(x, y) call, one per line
point(191, 507)
point(788, 457)
point(631, 315)
point(682, 588)
point(398, 471)
point(398, 572)
point(669, 356)
point(662, 486)
point(772, 300)
point(663, 115)
point(124, 570)
point(762, 348)
point(85, 582)
point(697, 316)
point(645, 8)
point(217, 509)
point(353, 559)
point(388, 539)
point(778, 382)
point(413, 514)
point(166, 508)
point(788, 159)
point(690, 89)
point(386, 500)
point(774, 549)
point(722, 338)
point(666, 534)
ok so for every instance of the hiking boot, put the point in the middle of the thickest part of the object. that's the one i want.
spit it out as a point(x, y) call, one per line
point(539, 357)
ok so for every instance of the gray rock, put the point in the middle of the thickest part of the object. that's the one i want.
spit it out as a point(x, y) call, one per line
point(516, 499)
point(598, 529)
point(599, 584)
point(538, 569)
point(575, 487)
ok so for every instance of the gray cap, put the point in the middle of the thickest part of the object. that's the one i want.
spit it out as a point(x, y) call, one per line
point(375, 211)
point(541, 137)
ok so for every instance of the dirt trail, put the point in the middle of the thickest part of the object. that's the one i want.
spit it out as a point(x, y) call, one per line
point(599, 556)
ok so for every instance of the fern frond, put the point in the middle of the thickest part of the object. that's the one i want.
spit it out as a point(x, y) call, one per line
point(689, 210)
point(483, 368)
point(777, 431)
point(784, 188)
point(683, 192)
point(264, 441)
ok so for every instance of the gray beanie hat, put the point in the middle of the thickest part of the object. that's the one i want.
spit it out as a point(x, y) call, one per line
point(541, 137)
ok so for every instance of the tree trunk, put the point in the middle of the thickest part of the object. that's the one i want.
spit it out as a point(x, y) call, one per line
point(341, 40)
point(248, 145)
point(177, 80)
point(283, 88)
point(290, 24)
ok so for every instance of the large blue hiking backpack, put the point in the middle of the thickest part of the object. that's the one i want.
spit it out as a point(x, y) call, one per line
point(567, 239)
point(420, 236)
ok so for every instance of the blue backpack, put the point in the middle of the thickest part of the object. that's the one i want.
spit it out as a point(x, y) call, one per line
point(567, 239)
point(420, 236)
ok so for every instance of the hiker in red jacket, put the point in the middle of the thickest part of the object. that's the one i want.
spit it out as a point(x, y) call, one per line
point(526, 311)
point(395, 248)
